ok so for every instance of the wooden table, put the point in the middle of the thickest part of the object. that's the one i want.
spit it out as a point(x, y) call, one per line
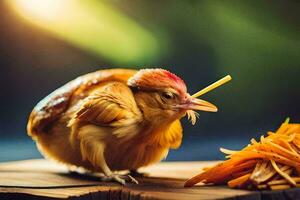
point(41, 179)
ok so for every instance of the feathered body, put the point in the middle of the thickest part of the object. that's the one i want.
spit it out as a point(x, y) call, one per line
point(112, 119)
point(130, 140)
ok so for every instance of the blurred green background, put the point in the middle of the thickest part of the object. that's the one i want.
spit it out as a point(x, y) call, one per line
point(44, 44)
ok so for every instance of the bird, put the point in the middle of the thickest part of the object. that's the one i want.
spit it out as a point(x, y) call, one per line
point(114, 119)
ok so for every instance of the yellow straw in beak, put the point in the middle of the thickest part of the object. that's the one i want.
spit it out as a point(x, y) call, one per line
point(212, 86)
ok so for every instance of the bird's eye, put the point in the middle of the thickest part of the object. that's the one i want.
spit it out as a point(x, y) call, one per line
point(167, 95)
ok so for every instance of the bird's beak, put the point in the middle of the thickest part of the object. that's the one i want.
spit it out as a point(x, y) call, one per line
point(192, 103)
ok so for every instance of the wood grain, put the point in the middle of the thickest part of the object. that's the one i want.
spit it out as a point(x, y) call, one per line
point(41, 179)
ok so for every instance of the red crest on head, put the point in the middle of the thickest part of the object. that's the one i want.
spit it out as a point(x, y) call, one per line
point(157, 79)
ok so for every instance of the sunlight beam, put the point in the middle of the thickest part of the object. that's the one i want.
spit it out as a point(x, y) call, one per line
point(92, 26)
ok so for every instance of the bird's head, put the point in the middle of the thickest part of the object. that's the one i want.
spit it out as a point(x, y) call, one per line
point(163, 96)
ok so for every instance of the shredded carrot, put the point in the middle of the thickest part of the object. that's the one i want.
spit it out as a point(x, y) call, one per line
point(283, 181)
point(239, 181)
point(227, 151)
point(283, 174)
point(280, 153)
point(253, 141)
point(286, 145)
point(280, 187)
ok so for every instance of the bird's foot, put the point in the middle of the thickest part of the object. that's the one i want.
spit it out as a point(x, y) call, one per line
point(135, 173)
point(119, 178)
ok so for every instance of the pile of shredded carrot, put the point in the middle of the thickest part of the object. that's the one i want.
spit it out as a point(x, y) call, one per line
point(271, 163)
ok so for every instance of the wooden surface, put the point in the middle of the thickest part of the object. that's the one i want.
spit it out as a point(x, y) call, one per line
point(41, 179)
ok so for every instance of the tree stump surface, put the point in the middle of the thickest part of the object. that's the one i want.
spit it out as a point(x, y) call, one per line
point(42, 179)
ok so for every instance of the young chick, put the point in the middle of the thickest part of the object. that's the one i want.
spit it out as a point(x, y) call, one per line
point(114, 119)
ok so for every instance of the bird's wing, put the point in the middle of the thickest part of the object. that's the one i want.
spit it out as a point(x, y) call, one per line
point(112, 105)
point(52, 107)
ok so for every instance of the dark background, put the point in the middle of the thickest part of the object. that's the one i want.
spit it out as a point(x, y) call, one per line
point(257, 42)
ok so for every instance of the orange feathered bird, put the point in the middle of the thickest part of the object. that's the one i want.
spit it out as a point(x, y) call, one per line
point(115, 119)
